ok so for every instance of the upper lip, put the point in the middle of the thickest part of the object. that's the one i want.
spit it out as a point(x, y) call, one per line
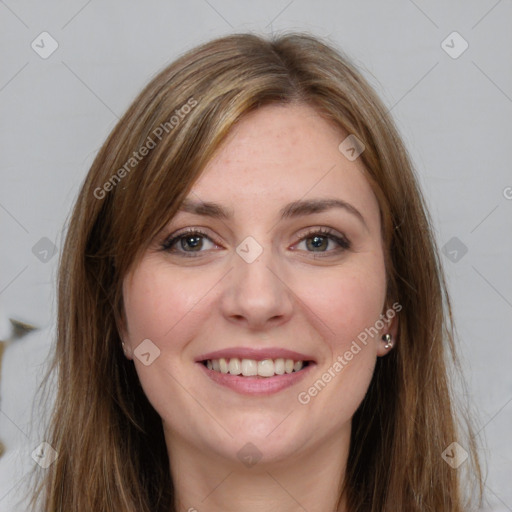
point(255, 353)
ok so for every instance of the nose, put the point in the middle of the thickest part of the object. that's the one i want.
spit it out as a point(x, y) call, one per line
point(255, 294)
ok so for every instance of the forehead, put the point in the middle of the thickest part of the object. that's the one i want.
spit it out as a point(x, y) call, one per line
point(281, 153)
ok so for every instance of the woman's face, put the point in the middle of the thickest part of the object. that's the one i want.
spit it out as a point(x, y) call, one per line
point(274, 274)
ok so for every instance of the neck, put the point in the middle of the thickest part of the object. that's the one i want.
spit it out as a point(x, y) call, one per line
point(307, 480)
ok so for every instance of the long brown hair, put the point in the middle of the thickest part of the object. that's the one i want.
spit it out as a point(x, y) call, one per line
point(109, 439)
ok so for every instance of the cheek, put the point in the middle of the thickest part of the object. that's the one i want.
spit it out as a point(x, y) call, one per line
point(348, 300)
point(159, 303)
point(162, 306)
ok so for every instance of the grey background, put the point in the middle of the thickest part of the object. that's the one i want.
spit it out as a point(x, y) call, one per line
point(454, 114)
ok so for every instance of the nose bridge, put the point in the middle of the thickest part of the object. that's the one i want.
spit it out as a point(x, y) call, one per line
point(252, 268)
point(255, 274)
point(255, 291)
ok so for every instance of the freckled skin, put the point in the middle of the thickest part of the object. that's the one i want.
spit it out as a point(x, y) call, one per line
point(290, 297)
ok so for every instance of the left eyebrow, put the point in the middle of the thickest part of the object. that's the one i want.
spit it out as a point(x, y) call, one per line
point(310, 206)
point(292, 210)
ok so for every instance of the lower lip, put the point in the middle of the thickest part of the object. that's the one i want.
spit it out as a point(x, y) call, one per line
point(257, 385)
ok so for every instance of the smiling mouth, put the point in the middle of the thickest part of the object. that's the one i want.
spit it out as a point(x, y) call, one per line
point(253, 368)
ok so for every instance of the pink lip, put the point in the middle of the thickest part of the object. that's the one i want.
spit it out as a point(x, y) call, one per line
point(254, 353)
point(256, 385)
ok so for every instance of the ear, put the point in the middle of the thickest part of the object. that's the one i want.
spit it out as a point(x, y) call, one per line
point(390, 319)
point(122, 330)
point(127, 350)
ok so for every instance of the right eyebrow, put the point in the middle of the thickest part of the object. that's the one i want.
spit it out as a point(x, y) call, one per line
point(207, 209)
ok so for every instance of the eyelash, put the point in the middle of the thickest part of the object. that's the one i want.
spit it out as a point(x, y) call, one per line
point(344, 243)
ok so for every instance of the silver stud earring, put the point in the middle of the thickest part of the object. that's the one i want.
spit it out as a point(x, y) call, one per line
point(387, 338)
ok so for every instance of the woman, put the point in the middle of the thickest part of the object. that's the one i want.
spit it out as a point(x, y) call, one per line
point(252, 314)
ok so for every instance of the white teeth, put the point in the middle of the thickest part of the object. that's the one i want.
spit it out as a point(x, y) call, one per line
point(266, 368)
point(223, 365)
point(297, 366)
point(235, 368)
point(251, 367)
point(279, 366)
